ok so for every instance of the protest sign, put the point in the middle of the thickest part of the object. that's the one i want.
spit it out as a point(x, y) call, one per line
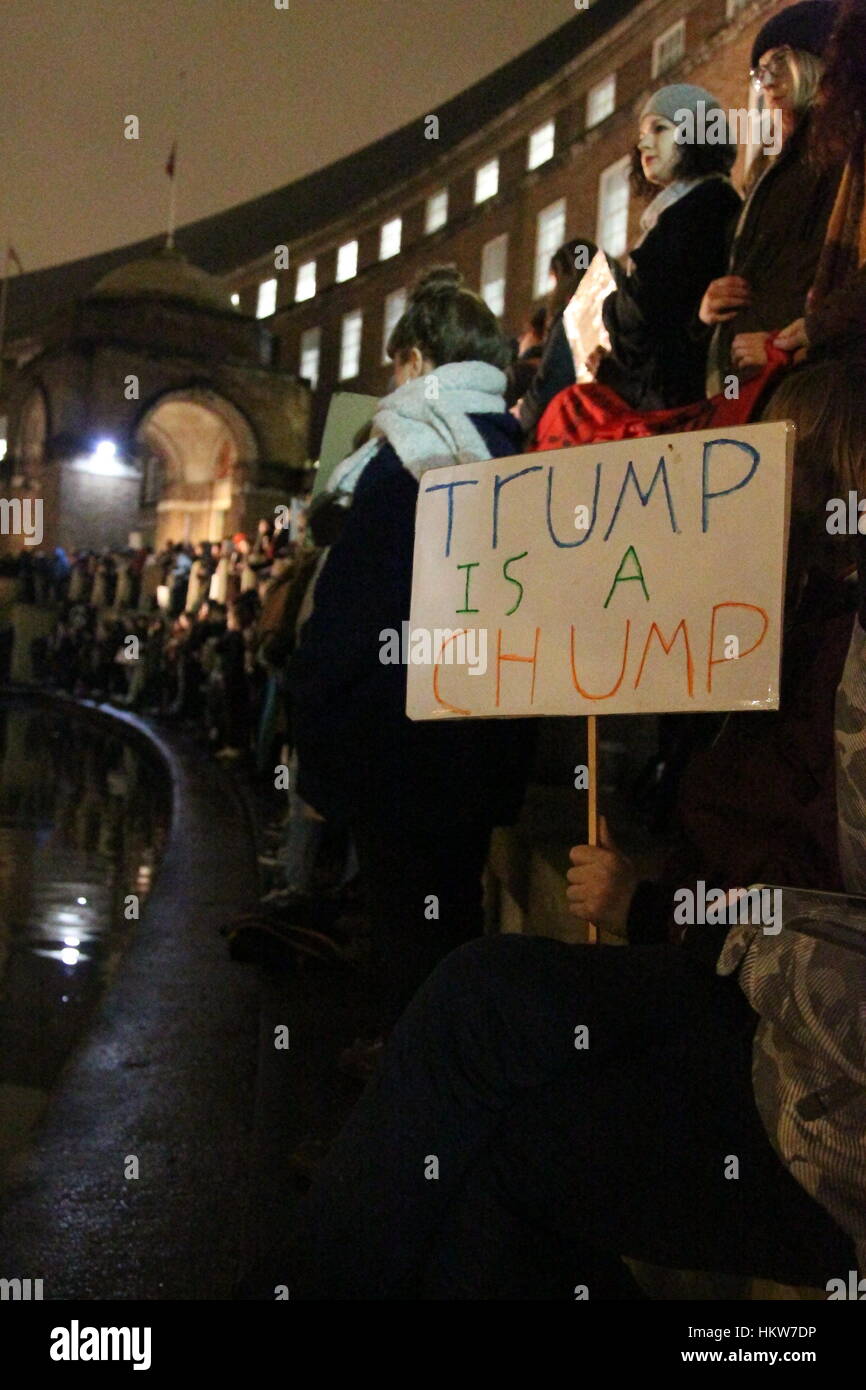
point(634, 577)
point(348, 413)
point(582, 317)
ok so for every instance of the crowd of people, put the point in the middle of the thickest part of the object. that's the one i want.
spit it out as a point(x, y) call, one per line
point(554, 1162)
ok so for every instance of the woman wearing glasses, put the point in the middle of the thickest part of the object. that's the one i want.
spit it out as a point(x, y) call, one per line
point(781, 229)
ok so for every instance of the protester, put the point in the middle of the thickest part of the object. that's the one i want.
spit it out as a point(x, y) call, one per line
point(555, 1159)
point(836, 304)
point(781, 230)
point(555, 369)
point(421, 798)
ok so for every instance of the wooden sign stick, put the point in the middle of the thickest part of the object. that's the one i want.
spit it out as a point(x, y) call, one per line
point(592, 804)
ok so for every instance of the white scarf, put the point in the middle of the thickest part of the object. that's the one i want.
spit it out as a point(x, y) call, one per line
point(426, 421)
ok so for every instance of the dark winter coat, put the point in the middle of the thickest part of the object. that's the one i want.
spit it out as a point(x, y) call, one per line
point(655, 359)
point(359, 755)
point(778, 246)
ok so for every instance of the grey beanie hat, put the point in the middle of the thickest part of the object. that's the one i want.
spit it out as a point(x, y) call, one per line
point(680, 96)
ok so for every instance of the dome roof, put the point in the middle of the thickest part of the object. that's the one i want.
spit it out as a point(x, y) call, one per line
point(165, 274)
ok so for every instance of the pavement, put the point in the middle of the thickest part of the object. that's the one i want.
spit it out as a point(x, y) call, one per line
point(179, 1069)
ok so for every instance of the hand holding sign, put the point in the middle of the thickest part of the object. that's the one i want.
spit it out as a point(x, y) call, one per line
point(602, 882)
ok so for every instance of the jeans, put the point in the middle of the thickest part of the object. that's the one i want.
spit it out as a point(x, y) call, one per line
point(502, 1152)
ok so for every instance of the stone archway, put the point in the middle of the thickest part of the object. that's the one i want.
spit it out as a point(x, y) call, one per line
point(197, 449)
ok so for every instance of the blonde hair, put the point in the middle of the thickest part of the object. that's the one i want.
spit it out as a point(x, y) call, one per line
point(806, 72)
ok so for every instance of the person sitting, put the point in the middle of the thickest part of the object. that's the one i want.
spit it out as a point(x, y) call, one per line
point(578, 1104)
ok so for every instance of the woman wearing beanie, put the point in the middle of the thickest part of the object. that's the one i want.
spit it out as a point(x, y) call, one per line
point(421, 798)
point(778, 239)
point(654, 361)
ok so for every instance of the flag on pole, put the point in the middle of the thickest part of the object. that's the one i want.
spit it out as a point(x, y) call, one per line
point(12, 255)
point(171, 161)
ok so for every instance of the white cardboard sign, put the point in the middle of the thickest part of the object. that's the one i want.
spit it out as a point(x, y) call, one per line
point(635, 577)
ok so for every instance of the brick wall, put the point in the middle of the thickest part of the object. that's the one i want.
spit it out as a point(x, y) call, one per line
point(716, 56)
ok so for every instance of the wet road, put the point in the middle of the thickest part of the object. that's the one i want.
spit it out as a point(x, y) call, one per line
point(83, 818)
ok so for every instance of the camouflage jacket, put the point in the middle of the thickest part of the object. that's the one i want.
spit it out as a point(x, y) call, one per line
point(808, 986)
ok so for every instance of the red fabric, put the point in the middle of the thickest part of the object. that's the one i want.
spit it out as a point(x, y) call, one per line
point(594, 414)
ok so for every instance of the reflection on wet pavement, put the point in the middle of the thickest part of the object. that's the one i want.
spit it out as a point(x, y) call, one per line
point(83, 819)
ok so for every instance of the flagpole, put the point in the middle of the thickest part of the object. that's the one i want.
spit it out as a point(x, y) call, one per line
point(4, 292)
point(171, 168)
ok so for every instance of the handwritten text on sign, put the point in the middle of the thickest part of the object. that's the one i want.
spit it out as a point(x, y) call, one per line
point(634, 577)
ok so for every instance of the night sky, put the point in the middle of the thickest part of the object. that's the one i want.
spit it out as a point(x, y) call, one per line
point(272, 94)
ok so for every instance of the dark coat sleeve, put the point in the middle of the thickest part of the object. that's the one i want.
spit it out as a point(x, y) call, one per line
point(554, 374)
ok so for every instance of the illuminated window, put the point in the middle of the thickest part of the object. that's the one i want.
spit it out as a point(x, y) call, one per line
point(549, 236)
point(395, 307)
point(487, 181)
point(493, 259)
point(541, 145)
point(267, 299)
point(350, 345)
point(347, 261)
point(311, 342)
point(613, 207)
point(390, 238)
point(601, 100)
point(669, 48)
point(305, 285)
point(436, 214)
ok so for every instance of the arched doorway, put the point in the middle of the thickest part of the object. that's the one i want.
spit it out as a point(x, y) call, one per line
point(196, 450)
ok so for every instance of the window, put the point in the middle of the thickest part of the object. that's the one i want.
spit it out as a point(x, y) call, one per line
point(347, 261)
point(436, 214)
point(311, 344)
point(305, 285)
point(487, 181)
point(390, 238)
point(549, 236)
point(493, 259)
point(669, 47)
point(350, 345)
point(541, 145)
point(601, 100)
point(267, 299)
point(236, 299)
point(613, 191)
point(395, 307)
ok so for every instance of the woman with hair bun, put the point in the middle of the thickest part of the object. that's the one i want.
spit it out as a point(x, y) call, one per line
point(421, 798)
